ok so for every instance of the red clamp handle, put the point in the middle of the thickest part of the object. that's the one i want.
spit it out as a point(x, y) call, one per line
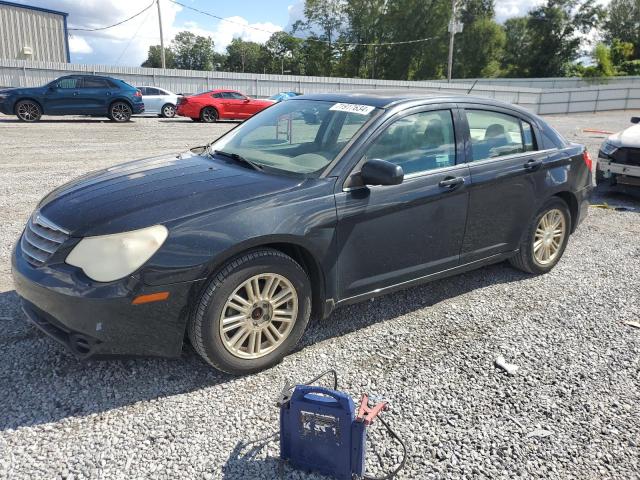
point(367, 414)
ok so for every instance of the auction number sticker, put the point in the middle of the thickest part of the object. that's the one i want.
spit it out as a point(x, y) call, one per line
point(352, 108)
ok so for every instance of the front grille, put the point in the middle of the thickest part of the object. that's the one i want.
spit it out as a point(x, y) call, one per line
point(41, 239)
point(628, 156)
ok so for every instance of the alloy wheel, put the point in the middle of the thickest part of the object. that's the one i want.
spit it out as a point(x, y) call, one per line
point(169, 111)
point(549, 237)
point(120, 112)
point(28, 111)
point(258, 316)
point(209, 115)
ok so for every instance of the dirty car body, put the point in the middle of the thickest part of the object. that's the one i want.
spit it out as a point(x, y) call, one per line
point(449, 214)
point(619, 157)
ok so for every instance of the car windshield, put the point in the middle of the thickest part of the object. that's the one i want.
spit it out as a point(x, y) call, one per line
point(299, 136)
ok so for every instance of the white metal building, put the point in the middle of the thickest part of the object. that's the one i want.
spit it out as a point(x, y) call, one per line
point(33, 33)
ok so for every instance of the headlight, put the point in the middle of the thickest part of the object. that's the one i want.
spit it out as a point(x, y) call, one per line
point(111, 257)
point(608, 148)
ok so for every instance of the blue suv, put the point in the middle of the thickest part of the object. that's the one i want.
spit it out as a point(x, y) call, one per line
point(74, 95)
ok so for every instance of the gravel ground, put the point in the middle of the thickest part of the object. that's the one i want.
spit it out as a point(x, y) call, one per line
point(571, 410)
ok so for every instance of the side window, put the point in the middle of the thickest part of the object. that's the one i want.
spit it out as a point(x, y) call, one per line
point(227, 95)
point(527, 135)
point(89, 82)
point(152, 91)
point(237, 96)
point(217, 95)
point(418, 142)
point(68, 83)
point(494, 134)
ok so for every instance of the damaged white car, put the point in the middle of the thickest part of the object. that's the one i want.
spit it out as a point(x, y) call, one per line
point(619, 157)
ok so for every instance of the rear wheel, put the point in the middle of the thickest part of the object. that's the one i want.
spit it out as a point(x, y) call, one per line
point(168, 110)
point(209, 115)
point(120, 112)
point(254, 310)
point(28, 111)
point(546, 238)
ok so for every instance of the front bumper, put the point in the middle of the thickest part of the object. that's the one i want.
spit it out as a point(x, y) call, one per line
point(609, 167)
point(96, 319)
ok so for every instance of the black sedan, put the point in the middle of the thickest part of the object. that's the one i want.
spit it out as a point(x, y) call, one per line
point(236, 244)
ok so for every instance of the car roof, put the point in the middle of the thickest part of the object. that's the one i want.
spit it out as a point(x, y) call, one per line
point(381, 98)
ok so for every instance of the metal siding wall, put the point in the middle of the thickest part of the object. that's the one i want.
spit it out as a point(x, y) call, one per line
point(559, 101)
point(42, 31)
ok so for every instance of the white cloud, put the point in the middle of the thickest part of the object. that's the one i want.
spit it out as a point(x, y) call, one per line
point(225, 31)
point(79, 45)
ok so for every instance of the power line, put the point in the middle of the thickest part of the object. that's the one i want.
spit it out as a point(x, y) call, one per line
point(115, 24)
point(144, 20)
point(352, 44)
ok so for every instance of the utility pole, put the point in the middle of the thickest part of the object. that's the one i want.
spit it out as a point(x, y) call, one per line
point(454, 27)
point(164, 63)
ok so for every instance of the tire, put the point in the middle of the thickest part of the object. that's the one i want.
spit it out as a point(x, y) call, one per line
point(205, 325)
point(526, 259)
point(208, 115)
point(28, 111)
point(168, 110)
point(120, 112)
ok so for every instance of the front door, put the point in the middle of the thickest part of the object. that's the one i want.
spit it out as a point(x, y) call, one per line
point(233, 104)
point(63, 97)
point(388, 235)
point(507, 172)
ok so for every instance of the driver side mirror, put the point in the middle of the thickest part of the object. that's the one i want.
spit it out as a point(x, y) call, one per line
point(381, 172)
point(635, 119)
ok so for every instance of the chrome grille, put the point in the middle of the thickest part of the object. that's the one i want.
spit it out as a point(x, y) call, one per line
point(41, 239)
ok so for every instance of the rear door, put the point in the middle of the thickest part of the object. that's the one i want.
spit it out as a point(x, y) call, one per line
point(94, 95)
point(389, 235)
point(508, 172)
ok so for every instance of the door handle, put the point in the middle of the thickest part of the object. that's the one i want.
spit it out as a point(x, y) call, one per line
point(108, 94)
point(451, 182)
point(533, 164)
point(75, 93)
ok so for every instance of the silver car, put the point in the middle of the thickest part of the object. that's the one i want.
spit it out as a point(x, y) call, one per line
point(619, 157)
point(159, 101)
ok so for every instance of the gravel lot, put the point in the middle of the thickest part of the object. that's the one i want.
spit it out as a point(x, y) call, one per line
point(571, 411)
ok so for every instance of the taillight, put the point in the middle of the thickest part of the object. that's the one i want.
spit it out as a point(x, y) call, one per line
point(137, 94)
point(587, 159)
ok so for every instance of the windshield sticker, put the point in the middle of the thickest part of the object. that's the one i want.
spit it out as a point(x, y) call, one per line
point(352, 108)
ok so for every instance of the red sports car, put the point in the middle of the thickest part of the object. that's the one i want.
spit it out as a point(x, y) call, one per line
point(220, 105)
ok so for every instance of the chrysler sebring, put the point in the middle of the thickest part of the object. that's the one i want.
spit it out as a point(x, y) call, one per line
point(235, 245)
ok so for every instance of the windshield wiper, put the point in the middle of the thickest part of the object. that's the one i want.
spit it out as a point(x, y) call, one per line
point(238, 158)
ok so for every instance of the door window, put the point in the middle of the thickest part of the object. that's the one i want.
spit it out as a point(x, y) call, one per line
point(495, 134)
point(237, 96)
point(90, 82)
point(418, 142)
point(68, 83)
point(153, 91)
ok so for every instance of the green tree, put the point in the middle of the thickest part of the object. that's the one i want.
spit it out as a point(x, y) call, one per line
point(623, 23)
point(283, 53)
point(154, 59)
point(603, 65)
point(554, 32)
point(515, 57)
point(193, 52)
point(244, 56)
point(479, 47)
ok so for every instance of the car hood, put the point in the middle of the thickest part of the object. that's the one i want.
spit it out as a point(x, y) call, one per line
point(627, 138)
point(154, 190)
point(24, 91)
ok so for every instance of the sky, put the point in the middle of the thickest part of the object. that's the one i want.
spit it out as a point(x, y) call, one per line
point(128, 44)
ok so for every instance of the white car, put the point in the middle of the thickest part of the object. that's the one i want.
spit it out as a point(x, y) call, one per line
point(619, 157)
point(159, 101)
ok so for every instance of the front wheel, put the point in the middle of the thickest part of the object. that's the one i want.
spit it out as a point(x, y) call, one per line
point(209, 115)
point(546, 238)
point(120, 112)
point(254, 310)
point(28, 111)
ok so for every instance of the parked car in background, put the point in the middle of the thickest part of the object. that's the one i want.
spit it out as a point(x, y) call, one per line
point(220, 104)
point(74, 95)
point(278, 97)
point(159, 101)
point(236, 243)
point(619, 157)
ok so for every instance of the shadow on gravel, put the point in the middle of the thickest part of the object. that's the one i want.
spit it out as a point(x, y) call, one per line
point(247, 461)
point(64, 120)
